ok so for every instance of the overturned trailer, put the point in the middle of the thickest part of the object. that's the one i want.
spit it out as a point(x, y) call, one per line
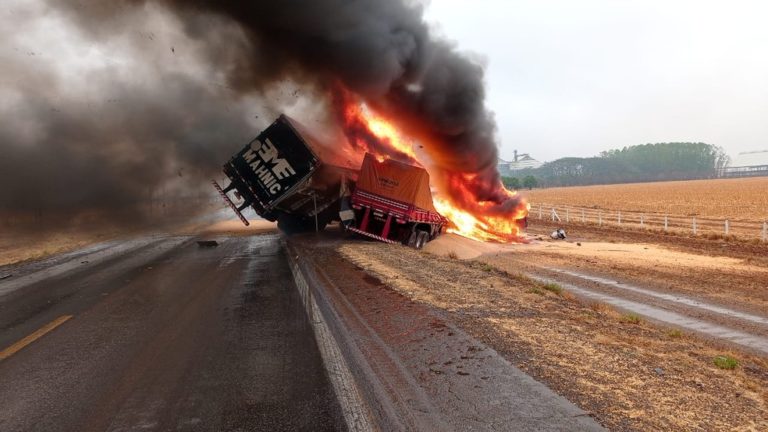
point(286, 176)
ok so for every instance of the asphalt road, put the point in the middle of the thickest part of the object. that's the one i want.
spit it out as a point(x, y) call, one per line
point(160, 334)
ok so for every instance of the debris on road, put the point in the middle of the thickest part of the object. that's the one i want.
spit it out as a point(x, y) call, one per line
point(558, 234)
point(207, 243)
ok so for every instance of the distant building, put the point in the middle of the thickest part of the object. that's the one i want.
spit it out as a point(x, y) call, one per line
point(748, 164)
point(521, 162)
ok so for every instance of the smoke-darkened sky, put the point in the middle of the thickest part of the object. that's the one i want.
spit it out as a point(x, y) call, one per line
point(104, 103)
point(573, 78)
point(127, 92)
point(111, 112)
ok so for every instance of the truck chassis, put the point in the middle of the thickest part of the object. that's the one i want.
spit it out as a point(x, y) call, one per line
point(399, 222)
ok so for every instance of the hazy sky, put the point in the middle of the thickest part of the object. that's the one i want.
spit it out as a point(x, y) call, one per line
point(573, 78)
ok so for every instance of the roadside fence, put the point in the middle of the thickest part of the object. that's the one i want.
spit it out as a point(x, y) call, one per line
point(693, 224)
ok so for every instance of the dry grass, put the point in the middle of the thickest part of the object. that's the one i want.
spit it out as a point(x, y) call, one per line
point(721, 198)
point(632, 375)
point(16, 247)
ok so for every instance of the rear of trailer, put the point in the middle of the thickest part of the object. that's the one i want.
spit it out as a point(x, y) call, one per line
point(392, 202)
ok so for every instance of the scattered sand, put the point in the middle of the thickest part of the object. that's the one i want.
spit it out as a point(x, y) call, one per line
point(462, 247)
point(231, 227)
point(630, 253)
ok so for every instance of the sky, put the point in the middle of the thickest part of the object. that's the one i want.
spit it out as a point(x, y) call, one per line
point(564, 78)
point(574, 78)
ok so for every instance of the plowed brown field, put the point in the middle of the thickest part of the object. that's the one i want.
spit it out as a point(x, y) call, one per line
point(745, 198)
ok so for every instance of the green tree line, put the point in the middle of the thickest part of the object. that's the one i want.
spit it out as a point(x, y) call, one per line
point(639, 163)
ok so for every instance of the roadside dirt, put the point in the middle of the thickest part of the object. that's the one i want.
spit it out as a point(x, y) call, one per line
point(729, 274)
point(24, 246)
point(18, 245)
point(752, 251)
point(632, 375)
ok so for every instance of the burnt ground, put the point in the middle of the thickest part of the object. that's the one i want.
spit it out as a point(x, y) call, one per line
point(629, 372)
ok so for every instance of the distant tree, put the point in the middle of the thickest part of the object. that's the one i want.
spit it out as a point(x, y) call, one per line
point(511, 182)
point(530, 182)
point(639, 163)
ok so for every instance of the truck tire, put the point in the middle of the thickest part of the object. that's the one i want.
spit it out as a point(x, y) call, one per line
point(421, 239)
point(412, 239)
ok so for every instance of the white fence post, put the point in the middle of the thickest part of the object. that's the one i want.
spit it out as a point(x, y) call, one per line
point(666, 222)
point(567, 216)
point(765, 231)
point(599, 218)
point(539, 211)
point(642, 222)
point(694, 225)
point(727, 227)
point(555, 216)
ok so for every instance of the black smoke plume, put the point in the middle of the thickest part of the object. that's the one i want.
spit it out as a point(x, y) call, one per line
point(92, 154)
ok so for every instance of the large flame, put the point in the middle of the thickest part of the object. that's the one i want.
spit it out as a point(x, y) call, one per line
point(482, 227)
point(497, 221)
point(375, 135)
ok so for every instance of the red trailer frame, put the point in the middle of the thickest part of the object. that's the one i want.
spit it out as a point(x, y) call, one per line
point(389, 210)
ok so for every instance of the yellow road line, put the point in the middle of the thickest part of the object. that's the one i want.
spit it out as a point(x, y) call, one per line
point(42, 331)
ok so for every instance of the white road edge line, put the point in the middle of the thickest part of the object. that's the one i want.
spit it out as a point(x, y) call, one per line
point(353, 407)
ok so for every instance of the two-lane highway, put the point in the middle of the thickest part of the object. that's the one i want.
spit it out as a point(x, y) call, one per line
point(159, 334)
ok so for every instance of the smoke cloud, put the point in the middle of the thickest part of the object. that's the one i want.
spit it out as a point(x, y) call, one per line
point(195, 79)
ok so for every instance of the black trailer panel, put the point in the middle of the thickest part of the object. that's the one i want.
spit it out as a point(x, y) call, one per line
point(271, 165)
point(282, 176)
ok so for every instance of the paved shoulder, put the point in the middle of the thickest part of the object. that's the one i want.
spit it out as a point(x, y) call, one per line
point(434, 374)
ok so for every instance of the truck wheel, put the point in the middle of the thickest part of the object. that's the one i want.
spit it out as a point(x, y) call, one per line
point(421, 239)
point(412, 239)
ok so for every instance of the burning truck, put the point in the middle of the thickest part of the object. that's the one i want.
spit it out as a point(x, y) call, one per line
point(286, 176)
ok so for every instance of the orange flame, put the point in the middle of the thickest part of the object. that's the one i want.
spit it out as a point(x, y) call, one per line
point(482, 221)
point(502, 229)
point(385, 132)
